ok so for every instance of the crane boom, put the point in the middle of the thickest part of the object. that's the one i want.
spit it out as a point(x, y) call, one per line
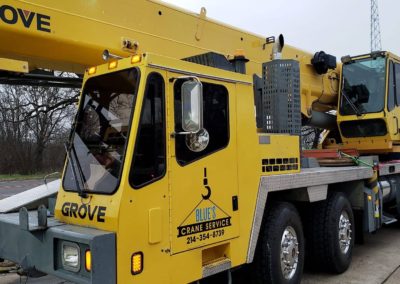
point(71, 36)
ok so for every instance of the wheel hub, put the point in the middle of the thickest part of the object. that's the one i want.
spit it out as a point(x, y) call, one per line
point(344, 232)
point(289, 252)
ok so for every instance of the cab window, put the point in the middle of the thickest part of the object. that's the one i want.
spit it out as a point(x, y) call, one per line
point(215, 121)
point(397, 82)
point(391, 88)
point(149, 160)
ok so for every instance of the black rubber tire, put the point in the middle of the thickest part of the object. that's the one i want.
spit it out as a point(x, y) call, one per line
point(323, 250)
point(266, 267)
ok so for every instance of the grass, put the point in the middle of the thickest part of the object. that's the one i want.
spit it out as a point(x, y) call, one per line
point(26, 177)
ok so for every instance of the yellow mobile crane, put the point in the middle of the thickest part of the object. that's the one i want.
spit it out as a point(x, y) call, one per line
point(184, 161)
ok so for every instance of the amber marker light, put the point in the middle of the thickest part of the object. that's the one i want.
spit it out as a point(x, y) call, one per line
point(88, 260)
point(92, 70)
point(137, 263)
point(136, 59)
point(112, 65)
point(239, 52)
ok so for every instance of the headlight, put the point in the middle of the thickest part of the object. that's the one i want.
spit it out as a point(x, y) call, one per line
point(71, 256)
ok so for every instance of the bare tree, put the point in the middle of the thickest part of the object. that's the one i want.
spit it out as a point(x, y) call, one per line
point(31, 119)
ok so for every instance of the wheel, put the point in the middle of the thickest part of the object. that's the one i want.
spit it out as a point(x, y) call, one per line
point(330, 238)
point(280, 250)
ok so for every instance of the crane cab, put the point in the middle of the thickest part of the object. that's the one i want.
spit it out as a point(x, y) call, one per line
point(155, 157)
point(369, 103)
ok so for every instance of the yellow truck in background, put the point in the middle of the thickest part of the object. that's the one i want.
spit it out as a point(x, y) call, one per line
point(185, 158)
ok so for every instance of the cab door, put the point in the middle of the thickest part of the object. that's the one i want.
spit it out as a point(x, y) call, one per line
point(203, 182)
point(393, 100)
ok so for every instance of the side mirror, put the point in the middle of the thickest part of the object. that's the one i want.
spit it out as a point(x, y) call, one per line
point(192, 106)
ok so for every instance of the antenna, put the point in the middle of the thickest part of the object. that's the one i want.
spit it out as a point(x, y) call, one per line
point(376, 44)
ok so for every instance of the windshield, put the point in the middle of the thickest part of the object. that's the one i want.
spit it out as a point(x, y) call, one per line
point(101, 132)
point(363, 86)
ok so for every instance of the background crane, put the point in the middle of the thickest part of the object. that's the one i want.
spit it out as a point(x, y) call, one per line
point(375, 27)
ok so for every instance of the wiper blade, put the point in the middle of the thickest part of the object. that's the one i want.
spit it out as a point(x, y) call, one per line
point(352, 105)
point(71, 148)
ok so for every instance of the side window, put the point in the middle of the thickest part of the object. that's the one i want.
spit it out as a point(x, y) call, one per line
point(397, 82)
point(149, 160)
point(391, 88)
point(215, 121)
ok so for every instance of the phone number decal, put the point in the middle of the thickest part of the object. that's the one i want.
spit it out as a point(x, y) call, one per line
point(205, 236)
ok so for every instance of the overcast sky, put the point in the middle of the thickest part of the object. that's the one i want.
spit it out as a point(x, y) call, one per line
point(339, 27)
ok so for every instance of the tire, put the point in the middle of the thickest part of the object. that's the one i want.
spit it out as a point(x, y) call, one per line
point(281, 224)
point(327, 251)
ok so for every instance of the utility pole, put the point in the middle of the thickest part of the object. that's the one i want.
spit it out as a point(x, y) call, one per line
point(375, 27)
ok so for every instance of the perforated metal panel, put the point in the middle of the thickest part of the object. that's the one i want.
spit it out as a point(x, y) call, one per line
point(281, 97)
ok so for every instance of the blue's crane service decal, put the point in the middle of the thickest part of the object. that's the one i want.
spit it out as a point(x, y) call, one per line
point(204, 218)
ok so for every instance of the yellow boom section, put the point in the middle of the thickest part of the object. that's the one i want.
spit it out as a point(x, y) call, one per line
point(71, 36)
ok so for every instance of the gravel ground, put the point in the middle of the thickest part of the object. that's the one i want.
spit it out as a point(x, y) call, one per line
point(8, 188)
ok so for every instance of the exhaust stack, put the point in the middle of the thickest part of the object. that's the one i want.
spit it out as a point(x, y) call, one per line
point(277, 48)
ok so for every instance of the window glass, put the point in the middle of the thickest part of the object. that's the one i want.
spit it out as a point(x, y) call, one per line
point(363, 128)
point(97, 146)
point(363, 86)
point(215, 121)
point(397, 82)
point(391, 88)
point(149, 160)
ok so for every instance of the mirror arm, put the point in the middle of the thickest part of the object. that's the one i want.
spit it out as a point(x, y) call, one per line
point(173, 134)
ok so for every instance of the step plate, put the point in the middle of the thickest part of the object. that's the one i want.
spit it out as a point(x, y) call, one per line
point(216, 266)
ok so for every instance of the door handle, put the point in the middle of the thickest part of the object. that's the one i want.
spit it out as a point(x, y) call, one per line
point(397, 125)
